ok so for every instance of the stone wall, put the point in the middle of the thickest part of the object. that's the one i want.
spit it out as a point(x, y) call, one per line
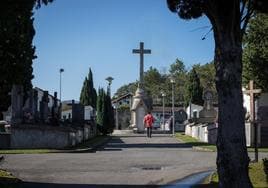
point(42, 137)
point(4, 140)
point(30, 136)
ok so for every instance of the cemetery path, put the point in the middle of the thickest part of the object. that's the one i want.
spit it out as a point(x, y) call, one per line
point(125, 160)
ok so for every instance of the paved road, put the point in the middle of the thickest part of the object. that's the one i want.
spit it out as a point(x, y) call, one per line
point(125, 160)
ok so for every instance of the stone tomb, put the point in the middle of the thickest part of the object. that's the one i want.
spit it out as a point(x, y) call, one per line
point(180, 118)
point(205, 127)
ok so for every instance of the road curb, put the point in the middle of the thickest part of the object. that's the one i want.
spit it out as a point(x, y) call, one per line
point(197, 148)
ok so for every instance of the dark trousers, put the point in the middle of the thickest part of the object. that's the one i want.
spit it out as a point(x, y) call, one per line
point(149, 132)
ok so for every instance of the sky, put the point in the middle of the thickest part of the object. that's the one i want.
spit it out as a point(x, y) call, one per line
point(100, 34)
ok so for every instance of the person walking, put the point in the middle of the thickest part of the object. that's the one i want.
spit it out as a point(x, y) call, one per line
point(148, 121)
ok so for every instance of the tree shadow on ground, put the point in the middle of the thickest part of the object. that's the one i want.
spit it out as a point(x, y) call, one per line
point(60, 185)
point(144, 135)
point(117, 143)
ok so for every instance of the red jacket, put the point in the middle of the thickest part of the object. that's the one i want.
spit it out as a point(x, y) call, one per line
point(148, 120)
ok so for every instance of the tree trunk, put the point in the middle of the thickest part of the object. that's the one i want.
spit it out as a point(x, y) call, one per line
point(232, 157)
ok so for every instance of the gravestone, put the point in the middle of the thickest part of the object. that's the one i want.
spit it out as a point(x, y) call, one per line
point(34, 106)
point(30, 108)
point(7, 115)
point(180, 118)
point(55, 111)
point(44, 111)
point(16, 104)
point(263, 125)
point(78, 114)
point(208, 114)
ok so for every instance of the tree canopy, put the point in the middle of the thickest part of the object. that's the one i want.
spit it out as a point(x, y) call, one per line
point(155, 82)
point(255, 54)
point(16, 49)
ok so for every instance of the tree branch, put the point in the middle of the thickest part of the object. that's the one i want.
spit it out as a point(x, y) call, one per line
point(243, 8)
point(246, 18)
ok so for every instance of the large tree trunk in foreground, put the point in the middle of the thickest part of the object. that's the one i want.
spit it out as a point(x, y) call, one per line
point(232, 158)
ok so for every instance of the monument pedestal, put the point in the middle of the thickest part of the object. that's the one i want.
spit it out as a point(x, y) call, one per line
point(207, 116)
point(138, 110)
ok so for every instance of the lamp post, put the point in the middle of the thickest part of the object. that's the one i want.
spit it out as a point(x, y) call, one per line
point(163, 95)
point(61, 71)
point(116, 112)
point(109, 79)
point(172, 81)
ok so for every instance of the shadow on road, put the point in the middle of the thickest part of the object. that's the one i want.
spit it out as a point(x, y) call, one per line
point(144, 135)
point(117, 144)
point(55, 185)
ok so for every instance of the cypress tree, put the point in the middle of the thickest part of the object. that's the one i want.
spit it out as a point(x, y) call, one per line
point(105, 113)
point(91, 90)
point(88, 95)
point(194, 89)
point(100, 112)
point(110, 114)
point(83, 94)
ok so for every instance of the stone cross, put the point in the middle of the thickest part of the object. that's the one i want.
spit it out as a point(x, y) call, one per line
point(251, 92)
point(141, 51)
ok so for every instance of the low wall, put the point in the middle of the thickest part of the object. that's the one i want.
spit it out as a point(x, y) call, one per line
point(212, 133)
point(203, 131)
point(42, 137)
point(4, 140)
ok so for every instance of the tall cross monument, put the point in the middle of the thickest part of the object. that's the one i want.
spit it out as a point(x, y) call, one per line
point(140, 101)
point(141, 51)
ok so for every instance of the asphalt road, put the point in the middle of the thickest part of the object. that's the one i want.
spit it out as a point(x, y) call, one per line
point(125, 161)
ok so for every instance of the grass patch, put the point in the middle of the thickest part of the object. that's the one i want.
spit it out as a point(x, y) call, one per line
point(195, 142)
point(26, 151)
point(252, 149)
point(257, 175)
point(7, 180)
point(5, 174)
